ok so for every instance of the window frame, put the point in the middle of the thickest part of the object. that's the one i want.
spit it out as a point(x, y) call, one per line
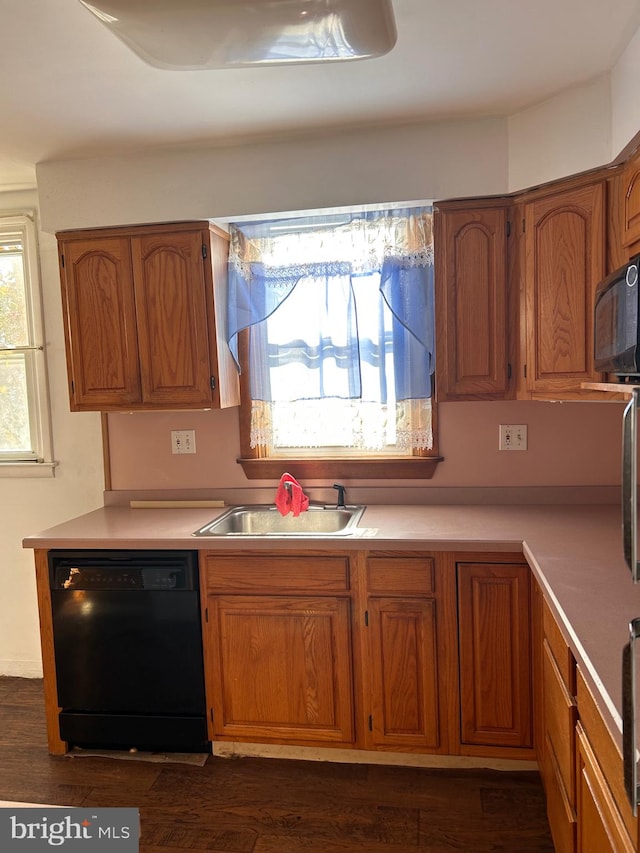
point(257, 465)
point(39, 462)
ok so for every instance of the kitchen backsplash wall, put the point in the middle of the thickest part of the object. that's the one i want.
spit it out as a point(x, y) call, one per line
point(570, 444)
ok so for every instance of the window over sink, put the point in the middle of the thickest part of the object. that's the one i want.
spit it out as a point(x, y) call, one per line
point(331, 321)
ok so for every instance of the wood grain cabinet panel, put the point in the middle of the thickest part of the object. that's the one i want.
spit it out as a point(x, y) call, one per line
point(631, 202)
point(281, 669)
point(100, 328)
point(409, 651)
point(600, 827)
point(404, 673)
point(559, 712)
point(565, 260)
point(558, 765)
point(561, 813)
point(400, 575)
point(495, 654)
point(172, 318)
point(281, 574)
point(142, 310)
point(471, 300)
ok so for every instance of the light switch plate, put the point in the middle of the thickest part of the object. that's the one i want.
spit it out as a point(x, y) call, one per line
point(513, 437)
point(183, 441)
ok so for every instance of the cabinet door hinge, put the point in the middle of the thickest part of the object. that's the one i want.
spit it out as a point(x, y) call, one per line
point(204, 252)
point(523, 229)
point(73, 387)
point(370, 723)
point(62, 261)
point(524, 370)
point(211, 713)
point(366, 618)
point(508, 228)
point(213, 383)
point(206, 614)
point(508, 371)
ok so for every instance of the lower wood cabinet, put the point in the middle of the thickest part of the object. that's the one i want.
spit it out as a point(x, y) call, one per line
point(580, 763)
point(494, 625)
point(278, 649)
point(398, 651)
point(404, 674)
point(600, 827)
point(407, 629)
point(282, 668)
point(558, 753)
point(605, 818)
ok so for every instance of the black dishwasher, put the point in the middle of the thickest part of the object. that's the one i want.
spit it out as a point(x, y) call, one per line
point(128, 649)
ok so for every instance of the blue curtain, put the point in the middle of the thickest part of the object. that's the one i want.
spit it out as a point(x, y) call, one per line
point(332, 356)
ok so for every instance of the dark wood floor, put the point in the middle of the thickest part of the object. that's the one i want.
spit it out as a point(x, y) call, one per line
point(252, 805)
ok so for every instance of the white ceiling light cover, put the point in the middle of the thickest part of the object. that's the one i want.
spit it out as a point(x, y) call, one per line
point(200, 34)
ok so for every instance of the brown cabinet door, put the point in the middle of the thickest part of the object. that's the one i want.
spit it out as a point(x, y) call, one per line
point(404, 673)
point(631, 204)
point(281, 669)
point(560, 714)
point(565, 260)
point(495, 654)
point(172, 318)
point(100, 329)
point(600, 826)
point(471, 299)
point(559, 761)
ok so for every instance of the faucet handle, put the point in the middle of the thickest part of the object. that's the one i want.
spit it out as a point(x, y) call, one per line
point(341, 491)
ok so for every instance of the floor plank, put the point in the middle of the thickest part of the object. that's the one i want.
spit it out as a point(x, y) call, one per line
point(253, 805)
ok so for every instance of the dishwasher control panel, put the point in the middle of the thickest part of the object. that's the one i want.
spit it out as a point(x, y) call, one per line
point(118, 570)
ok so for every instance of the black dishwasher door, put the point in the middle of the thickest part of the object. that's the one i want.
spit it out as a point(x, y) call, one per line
point(128, 648)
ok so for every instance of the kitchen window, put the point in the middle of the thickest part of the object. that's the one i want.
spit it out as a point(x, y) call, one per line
point(25, 436)
point(331, 321)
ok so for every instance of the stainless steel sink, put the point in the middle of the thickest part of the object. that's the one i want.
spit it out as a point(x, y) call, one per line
point(267, 521)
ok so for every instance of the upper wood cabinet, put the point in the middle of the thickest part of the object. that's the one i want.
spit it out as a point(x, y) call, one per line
point(515, 288)
point(144, 318)
point(472, 305)
point(631, 203)
point(623, 212)
point(564, 261)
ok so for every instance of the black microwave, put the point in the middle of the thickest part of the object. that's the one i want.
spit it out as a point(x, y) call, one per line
point(616, 327)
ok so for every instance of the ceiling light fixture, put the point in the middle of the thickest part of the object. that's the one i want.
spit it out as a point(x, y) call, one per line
point(201, 34)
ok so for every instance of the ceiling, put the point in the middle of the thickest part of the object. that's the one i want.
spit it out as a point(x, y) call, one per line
point(70, 89)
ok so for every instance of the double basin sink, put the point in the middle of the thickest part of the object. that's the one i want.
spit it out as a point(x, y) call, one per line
point(258, 520)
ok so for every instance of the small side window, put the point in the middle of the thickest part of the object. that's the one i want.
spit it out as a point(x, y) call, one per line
point(25, 432)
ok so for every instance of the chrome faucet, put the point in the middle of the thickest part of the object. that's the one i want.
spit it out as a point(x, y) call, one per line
point(341, 491)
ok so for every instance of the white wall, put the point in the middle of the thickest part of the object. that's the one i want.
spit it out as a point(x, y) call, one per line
point(29, 505)
point(578, 129)
point(625, 97)
point(568, 133)
point(410, 162)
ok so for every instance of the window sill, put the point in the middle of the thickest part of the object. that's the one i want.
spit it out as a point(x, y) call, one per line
point(413, 468)
point(27, 470)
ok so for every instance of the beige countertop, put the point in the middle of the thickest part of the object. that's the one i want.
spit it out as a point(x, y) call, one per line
point(575, 552)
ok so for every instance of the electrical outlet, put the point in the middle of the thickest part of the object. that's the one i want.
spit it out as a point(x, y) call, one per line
point(183, 441)
point(513, 437)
